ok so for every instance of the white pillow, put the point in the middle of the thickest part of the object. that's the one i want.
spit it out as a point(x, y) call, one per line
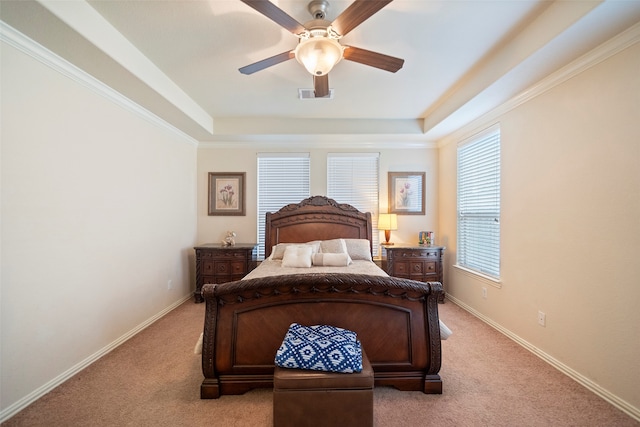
point(315, 244)
point(277, 251)
point(359, 249)
point(335, 246)
point(331, 260)
point(298, 256)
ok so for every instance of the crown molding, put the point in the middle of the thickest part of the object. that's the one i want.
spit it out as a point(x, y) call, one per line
point(288, 142)
point(16, 39)
point(592, 58)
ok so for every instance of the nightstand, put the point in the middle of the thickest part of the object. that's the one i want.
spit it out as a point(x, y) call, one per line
point(217, 263)
point(415, 262)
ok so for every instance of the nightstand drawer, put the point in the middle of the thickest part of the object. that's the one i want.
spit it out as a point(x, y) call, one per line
point(229, 254)
point(224, 268)
point(428, 267)
point(400, 269)
point(421, 254)
point(411, 268)
point(422, 268)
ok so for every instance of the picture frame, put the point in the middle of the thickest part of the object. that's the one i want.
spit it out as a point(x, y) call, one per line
point(227, 193)
point(407, 193)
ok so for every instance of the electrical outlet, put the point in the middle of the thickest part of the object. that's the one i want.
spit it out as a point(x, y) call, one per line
point(542, 318)
point(169, 284)
point(484, 293)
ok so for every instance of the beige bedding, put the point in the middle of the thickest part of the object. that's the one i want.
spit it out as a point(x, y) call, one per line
point(270, 267)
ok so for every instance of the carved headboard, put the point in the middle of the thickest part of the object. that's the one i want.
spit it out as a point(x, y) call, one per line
point(316, 218)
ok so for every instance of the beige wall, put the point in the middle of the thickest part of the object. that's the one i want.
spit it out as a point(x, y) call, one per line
point(98, 215)
point(394, 157)
point(570, 231)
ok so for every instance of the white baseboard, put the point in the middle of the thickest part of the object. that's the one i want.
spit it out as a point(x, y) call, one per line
point(621, 404)
point(10, 411)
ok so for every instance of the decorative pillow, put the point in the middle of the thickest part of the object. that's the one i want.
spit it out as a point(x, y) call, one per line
point(315, 244)
point(297, 256)
point(358, 249)
point(277, 251)
point(335, 246)
point(320, 348)
point(331, 260)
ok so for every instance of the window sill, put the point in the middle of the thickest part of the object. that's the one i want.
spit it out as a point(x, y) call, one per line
point(492, 281)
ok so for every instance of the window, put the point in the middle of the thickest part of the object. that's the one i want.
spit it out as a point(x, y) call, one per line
point(354, 179)
point(479, 204)
point(283, 178)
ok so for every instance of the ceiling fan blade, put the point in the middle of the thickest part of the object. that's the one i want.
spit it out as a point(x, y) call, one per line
point(373, 59)
point(321, 85)
point(357, 12)
point(265, 63)
point(276, 14)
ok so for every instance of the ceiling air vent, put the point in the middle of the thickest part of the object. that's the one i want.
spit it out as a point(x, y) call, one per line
point(310, 94)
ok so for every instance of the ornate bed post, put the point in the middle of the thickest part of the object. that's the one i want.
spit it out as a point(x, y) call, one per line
point(210, 388)
point(432, 381)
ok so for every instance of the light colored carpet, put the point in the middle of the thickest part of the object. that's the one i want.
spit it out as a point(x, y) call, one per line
point(154, 380)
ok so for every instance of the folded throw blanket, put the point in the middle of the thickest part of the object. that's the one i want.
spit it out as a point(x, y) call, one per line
point(320, 348)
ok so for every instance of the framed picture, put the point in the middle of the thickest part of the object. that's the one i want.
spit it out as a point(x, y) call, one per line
point(406, 193)
point(226, 193)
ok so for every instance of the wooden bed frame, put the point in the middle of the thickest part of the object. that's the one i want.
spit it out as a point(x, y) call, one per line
point(245, 321)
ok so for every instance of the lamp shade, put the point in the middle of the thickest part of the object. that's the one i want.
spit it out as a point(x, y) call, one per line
point(318, 54)
point(387, 221)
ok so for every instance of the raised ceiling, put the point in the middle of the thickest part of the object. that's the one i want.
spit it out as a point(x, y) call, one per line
point(180, 60)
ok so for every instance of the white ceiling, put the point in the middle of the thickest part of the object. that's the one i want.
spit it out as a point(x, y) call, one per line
point(180, 60)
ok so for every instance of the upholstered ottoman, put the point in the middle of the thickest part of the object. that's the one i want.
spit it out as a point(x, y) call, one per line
point(316, 398)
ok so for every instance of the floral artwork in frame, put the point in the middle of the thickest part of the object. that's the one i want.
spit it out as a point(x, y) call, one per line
point(226, 193)
point(406, 193)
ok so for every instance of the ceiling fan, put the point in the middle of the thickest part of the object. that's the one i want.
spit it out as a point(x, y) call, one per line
point(318, 48)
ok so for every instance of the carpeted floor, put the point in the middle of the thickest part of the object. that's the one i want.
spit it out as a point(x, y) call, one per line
point(488, 381)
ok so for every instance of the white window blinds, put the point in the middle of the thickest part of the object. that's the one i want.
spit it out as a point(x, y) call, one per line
point(353, 178)
point(479, 204)
point(283, 178)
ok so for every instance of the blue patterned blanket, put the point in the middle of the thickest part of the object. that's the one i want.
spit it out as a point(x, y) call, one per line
point(320, 348)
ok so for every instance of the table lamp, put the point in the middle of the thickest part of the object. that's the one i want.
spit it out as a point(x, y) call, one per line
point(387, 222)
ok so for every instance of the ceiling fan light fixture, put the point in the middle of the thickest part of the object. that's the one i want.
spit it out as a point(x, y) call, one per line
point(318, 54)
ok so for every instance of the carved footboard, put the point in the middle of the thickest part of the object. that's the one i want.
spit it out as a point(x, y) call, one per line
point(396, 321)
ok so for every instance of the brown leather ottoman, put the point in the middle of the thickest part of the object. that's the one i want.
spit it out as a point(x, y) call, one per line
point(304, 397)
